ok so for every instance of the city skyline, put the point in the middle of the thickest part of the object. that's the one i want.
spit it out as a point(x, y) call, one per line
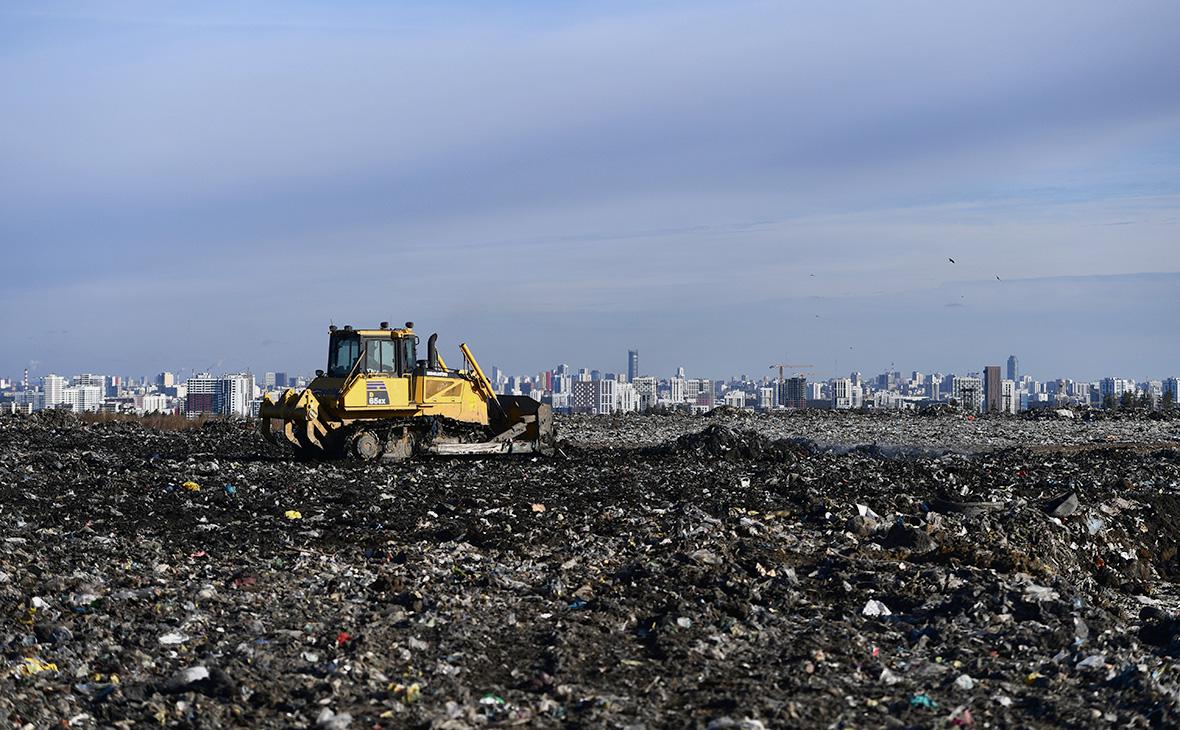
point(614, 372)
point(581, 390)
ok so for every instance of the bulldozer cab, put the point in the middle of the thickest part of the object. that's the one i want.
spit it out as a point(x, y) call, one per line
point(384, 352)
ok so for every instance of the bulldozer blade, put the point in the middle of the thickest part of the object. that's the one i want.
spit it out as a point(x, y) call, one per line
point(516, 409)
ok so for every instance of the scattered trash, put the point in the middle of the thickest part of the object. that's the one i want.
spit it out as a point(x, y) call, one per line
point(1063, 505)
point(329, 720)
point(293, 514)
point(173, 638)
point(654, 564)
point(35, 665)
point(923, 700)
point(192, 486)
point(231, 490)
point(875, 608)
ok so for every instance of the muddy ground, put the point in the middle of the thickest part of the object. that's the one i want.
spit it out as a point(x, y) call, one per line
point(714, 571)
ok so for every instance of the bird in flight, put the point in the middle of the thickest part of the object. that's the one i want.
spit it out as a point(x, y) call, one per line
point(998, 278)
point(948, 258)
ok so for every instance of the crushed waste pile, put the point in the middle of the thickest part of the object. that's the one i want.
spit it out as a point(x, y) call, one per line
point(730, 570)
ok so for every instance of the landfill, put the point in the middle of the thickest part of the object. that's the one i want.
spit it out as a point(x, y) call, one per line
point(724, 570)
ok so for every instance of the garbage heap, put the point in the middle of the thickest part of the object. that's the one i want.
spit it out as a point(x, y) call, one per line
point(734, 575)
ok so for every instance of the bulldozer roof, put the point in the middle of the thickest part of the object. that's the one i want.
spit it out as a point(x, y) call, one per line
point(387, 332)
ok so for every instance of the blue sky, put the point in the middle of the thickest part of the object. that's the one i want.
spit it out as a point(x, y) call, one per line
point(721, 185)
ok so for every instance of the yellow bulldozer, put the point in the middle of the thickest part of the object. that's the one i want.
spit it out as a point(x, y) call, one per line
point(377, 400)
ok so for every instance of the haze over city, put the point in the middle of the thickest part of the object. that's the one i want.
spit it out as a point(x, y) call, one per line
point(721, 185)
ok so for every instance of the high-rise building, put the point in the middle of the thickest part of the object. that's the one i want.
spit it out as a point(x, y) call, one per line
point(1009, 397)
point(1013, 372)
point(1114, 387)
point(1171, 386)
point(845, 395)
point(626, 398)
point(676, 387)
point(98, 381)
point(597, 397)
point(237, 395)
point(992, 389)
point(165, 380)
point(82, 398)
point(968, 392)
point(632, 365)
point(230, 395)
point(645, 390)
point(201, 394)
point(268, 380)
point(52, 387)
point(793, 392)
point(282, 381)
point(735, 399)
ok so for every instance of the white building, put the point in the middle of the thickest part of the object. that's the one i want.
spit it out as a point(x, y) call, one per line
point(767, 398)
point(52, 387)
point(735, 399)
point(646, 390)
point(1115, 387)
point(82, 398)
point(676, 388)
point(91, 379)
point(561, 401)
point(154, 403)
point(1009, 397)
point(626, 397)
point(968, 392)
point(237, 395)
point(845, 395)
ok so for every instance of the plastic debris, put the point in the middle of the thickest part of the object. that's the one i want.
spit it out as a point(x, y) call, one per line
point(35, 665)
point(292, 514)
point(192, 486)
point(873, 607)
point(923, 700)
point(173, 638)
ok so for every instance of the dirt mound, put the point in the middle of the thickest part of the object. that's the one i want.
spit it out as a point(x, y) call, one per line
point(726, 442)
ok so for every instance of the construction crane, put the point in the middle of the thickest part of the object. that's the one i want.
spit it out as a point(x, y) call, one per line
point(782, 365)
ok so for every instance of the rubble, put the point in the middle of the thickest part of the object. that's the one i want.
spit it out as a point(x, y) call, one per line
point(715, 571)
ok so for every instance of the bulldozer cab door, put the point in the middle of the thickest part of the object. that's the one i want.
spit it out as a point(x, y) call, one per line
point(386, 375)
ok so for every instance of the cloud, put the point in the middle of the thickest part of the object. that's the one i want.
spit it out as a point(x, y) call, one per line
point(264, 166)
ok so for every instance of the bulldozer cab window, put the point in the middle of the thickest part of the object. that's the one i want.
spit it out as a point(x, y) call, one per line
point(380, 356)
point(343, 351)
point(409, 354)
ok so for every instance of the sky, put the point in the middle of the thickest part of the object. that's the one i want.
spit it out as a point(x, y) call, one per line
point(721, 185)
